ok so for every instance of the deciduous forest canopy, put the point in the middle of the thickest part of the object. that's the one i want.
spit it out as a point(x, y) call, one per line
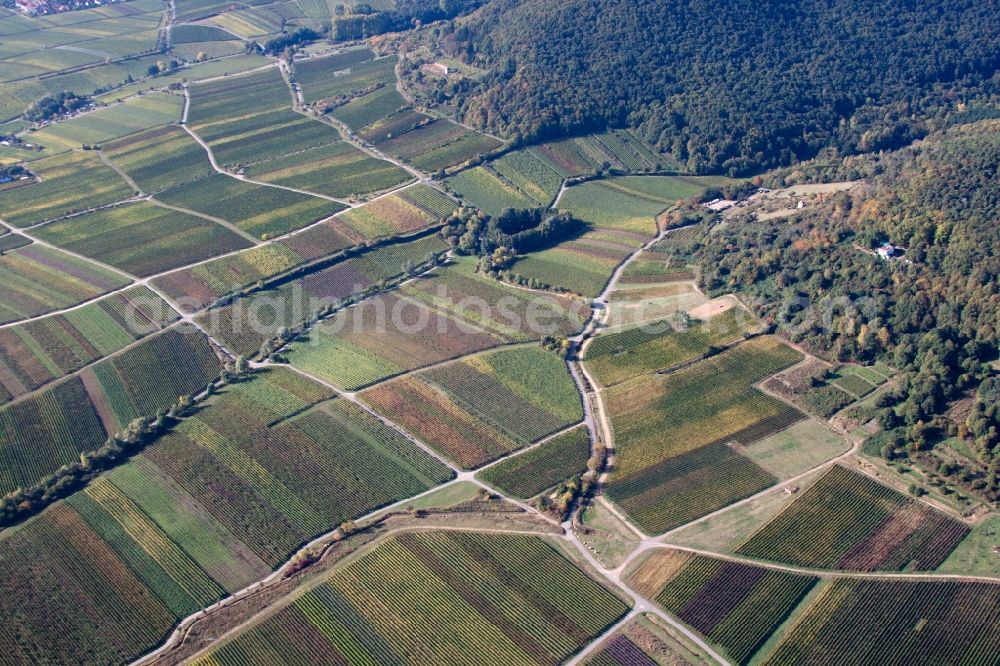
point(731, 85)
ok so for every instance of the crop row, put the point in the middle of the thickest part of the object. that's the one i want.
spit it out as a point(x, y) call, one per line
point(469, 146)
point(318, 81)
point(160, 158)
point(616, 357)
point(213, 505)
point(547, 465)
point(532, 176)
point(526, 407)
point(443, 597)
point(142, 238)
point(734, 605)
point(485, 190)
point(257, 210)
point(368, 109)
point(514, 314)
point(381, 337)
point(43, 350)
point(336, 170)
point(881, 622)
point(849, 521)
point(39, 279)
point(69, 183)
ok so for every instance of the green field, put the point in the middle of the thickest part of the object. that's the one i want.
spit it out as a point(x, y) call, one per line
point(112, 122)
point(367, 109)
point(155, 539)
point(404, 211)
point(258, 210)
point(69, 184)
point(629, 203)
point(482, 188)
point(344, 74)
point(36, 353)
point(142, 238)
point(529, 473)
point(37, 279)
point(248, 119)
point(848, 521)
point(671, 433)
point(336, 170)
point(160, 158)
point(441, 597)
point(619, 355)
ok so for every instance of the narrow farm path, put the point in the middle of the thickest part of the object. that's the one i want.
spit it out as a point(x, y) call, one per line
point(86, 211)
point(384, 420)
point(148, 280)
point(211, 218)
point(218, 169)
point(121, 172)
point(348, 135)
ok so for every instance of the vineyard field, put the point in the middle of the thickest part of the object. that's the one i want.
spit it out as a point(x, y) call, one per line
point(44, 350)
point(205, 510)
point(582, 265)
point(160, 158)
point(137, 382)
point(914, 622)
point(526, 392)
point(528, 474)
point(248, 119)
point(244, 326)
point(481, 408)
point(150, 376)
point(389, 215)
point(344, 74)
point(672, 430)
point(445, 597)
point(142, 238)
point(849, 521)
point(70, 183)
point(336, 170)
point(257, 210)
point(734, 605)
point(643, 641)
point(615, 357)
point(109, 123)
point(38, 279)
point(367, 109)
point(513, 314)
point(484, 189)
point(382, 337)
point(198, 287)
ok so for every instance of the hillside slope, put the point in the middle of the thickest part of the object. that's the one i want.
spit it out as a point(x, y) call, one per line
point(729, 85)
point(934, 312)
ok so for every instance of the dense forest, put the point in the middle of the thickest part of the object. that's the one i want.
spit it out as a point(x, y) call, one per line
point(934, 312)
point(727, 85)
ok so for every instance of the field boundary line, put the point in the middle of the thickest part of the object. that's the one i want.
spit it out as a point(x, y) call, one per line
point(535, 445)
point(205, 216)
point(828, 573)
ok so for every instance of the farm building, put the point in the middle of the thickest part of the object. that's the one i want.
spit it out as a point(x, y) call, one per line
point(719, 205)
point(887, 251)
